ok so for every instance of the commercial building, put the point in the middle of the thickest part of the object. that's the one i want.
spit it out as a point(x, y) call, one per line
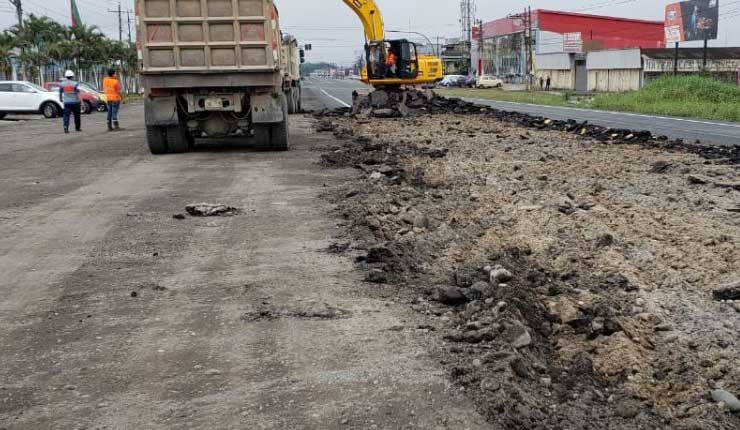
point(560, 42)
point(455, 55)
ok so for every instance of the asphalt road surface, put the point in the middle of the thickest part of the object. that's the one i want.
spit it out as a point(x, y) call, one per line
point(339, 92)
point(115, 315)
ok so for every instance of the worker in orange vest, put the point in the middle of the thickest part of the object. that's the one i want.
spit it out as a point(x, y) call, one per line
point(112, 90)
point(391, 63)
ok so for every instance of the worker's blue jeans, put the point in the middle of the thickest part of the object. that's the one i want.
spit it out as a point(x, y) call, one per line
point(113, 111)
point(72, 109)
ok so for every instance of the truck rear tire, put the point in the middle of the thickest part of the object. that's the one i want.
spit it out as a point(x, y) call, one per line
point(156, 140)
point(177, 140)
point(290, 95)
point(279, 139)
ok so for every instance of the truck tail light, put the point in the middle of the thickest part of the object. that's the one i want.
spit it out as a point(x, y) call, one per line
point(158, 92)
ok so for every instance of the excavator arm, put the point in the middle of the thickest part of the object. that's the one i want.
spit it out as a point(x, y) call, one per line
point(408, 69)
point(372, 19)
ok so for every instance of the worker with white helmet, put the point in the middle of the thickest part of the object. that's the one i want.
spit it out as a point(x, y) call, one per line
point(69, 93)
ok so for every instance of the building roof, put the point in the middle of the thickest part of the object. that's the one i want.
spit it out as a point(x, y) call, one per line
point(693, 53)
point(598, 32)
point(516, 23)
point(590, 16)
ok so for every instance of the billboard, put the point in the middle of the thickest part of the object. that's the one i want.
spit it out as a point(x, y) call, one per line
point(691, 20)
point(573, 42)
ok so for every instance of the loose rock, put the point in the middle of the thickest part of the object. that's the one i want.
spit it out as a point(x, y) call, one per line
point(727, 398)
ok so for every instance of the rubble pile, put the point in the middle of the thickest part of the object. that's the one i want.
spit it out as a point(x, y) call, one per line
point(410, 103)
point(555, 284)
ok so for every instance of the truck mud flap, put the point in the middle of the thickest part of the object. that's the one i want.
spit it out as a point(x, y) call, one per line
point(266, 109)
point(160, 111)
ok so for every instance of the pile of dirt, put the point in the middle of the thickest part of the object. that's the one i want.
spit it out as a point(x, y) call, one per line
point(409, 103)
point(561, 280)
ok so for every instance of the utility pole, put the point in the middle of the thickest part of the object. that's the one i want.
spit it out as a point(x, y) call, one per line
point(530, 63)
point(128, 19)
point(19, 14)
point(480, 48)
point(120, 21)
point(18, 4)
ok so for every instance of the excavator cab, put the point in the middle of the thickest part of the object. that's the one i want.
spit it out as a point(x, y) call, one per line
point(405, 67)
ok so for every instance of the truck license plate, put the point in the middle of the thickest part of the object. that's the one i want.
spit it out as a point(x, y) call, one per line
point(214, 103)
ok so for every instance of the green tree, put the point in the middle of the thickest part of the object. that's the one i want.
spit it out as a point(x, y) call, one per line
point(35, 39)
point(7, 54)
point(47, 48)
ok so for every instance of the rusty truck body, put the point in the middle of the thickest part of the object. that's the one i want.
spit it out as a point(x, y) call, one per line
point(212, 69)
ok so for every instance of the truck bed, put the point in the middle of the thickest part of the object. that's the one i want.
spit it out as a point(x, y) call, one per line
point(196, 36)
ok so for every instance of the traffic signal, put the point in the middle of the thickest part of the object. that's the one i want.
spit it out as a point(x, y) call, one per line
point(303, 55)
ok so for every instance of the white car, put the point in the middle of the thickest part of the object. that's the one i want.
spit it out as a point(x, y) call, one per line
point(488, 81)
point(27, 97)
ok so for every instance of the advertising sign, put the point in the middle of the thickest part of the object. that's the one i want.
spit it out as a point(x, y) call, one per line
point(691, 20)
point(573, 42)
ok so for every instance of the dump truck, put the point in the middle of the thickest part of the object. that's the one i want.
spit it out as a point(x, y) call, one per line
point(291, 67)
point(212, 69)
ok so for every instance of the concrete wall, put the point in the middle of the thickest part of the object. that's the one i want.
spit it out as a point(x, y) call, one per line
point(559, 79)
point(616, 59)
point(614, 80)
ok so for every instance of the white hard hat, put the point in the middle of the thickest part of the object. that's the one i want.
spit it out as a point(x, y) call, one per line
point(69, 74)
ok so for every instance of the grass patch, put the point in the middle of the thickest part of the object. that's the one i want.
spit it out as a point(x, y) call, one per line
point(686, 96)
point(692, 96)
point(132, 97)
point(539, 98)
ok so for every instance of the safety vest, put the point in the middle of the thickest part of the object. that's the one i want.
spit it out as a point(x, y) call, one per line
point(112, 89)
point(391, 60)
point(70, 91)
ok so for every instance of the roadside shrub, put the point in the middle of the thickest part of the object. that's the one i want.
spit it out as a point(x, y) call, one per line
point(688, 96)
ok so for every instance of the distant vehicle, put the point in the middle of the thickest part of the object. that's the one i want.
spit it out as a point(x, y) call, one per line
point(89, 97)
point(27, 97)
point(466, 82)
point(451, 80)
point(103, 106)
point(488, 81)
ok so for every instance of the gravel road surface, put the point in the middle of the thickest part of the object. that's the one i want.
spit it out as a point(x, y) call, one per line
point(116, 315)
point(337, 93)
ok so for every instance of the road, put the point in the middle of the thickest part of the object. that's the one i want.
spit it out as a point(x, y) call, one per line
point(339, 92)
point(116, 315)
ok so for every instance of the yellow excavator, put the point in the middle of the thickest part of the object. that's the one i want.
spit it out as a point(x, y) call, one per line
point(409, 68)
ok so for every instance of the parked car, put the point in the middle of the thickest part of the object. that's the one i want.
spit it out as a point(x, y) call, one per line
point(488, 81)
point(466, 82)
point(103, 106)
point(27, 97)
point(89, 97)
point(450, 81)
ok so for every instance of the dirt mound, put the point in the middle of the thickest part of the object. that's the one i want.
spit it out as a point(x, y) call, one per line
point(561, 279)
point(411, 103)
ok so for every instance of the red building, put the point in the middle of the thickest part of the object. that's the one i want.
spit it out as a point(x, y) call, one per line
point(597, 32)
point(504, 53)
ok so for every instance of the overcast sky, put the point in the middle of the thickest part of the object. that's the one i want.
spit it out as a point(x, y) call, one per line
point(336, 33)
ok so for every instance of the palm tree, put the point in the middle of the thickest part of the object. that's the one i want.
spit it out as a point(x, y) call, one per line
point(7, 54)
point(45, 44)
point(35, 38)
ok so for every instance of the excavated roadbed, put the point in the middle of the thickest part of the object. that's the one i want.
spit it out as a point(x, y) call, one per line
point(568, 275)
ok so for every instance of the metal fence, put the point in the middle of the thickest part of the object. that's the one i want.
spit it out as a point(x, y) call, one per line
point(92, 75)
